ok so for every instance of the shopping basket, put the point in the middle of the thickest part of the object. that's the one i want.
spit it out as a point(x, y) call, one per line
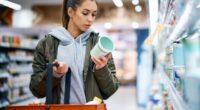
point(59, 107)
point(50, 106)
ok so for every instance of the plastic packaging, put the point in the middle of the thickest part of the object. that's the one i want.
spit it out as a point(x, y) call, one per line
point(96, 100)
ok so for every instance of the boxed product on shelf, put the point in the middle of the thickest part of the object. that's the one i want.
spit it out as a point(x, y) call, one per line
point(192, 76)
point(3, 92)
point(3, 57)
point(28, 43)
point(3, 103)
point(25, 68)
point(178, 55)
point(20, 56)
point(12, 40)
point(21, 81)
point(18, 41)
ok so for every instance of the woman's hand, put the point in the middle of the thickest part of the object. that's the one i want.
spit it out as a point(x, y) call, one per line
point(101, 61)
point(60, 68)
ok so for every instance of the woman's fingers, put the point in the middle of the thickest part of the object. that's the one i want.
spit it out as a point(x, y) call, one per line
point(96, 61)
point(108, 55)
point(60, 68)
point(103, 60)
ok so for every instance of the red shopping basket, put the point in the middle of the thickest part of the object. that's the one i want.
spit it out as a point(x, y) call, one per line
point(59, 107)
point(50, 106)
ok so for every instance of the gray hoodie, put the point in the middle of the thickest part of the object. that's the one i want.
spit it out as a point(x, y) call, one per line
point(72, 52)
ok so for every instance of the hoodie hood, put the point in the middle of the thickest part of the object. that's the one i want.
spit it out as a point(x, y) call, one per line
point(66, 38)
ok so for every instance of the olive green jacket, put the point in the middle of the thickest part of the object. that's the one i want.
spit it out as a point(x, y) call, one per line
point(101, 83)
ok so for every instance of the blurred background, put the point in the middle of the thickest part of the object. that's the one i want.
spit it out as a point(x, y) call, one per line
point(156, 56)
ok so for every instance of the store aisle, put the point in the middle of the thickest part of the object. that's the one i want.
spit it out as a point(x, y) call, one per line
point(123, 99)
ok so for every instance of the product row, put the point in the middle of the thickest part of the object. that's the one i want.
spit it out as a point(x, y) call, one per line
point(16, 56)
point(18, 42)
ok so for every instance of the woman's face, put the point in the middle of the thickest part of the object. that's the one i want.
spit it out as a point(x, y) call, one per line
point(85, 15)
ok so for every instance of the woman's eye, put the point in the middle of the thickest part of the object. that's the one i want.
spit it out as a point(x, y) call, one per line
point(94, 15)
point(85, 14)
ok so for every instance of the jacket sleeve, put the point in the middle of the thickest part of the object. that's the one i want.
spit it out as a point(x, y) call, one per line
point(106, 79)
point(38, 78)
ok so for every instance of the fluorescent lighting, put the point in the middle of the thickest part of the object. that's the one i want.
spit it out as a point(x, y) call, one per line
point(135, 25)
point(118, 3)
point(108, 25)
point(198, 6)
point(135, 2)
point(138, 8)
point(10, 4)
point(195, 36)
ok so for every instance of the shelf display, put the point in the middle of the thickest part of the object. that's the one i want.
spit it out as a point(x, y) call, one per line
point(17, 42)
point(177, 54)
point(16, 55)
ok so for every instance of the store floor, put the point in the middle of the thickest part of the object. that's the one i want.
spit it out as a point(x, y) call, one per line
point(123, 99)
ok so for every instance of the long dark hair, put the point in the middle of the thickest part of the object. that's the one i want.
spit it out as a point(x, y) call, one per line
point(66, 4)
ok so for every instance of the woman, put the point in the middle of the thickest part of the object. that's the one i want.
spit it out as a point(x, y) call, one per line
point(69, 47)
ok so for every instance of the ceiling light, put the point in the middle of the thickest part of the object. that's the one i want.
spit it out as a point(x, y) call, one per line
point(138, 8)
point(135, 25)
point(108, 25)
point(10, 4)
point(118, 3)
point(198, 6)
point(135, 2)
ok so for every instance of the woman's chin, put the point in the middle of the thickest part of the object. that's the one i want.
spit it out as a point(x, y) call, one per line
point(84, 29)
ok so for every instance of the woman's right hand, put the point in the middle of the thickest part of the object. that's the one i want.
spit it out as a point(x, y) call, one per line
point(61, 67)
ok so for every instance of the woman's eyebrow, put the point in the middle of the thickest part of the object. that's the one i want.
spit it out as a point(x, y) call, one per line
point(89, 10)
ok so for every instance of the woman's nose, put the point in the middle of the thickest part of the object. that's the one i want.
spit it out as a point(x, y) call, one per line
point(90, 18)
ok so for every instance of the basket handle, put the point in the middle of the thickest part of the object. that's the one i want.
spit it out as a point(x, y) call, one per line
point(49, 84)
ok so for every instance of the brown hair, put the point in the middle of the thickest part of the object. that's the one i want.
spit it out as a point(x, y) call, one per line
point(66, 4)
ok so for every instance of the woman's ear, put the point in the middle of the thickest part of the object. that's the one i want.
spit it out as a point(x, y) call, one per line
point(70, 12)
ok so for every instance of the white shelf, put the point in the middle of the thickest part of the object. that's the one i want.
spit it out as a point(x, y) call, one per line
point(4, 75)
point(4, 60)
point(4, 104)
point(31, 100)
point(7, 45)
point(179, 66)
point(188, 19)
point(28, 31)
point(22, 60)
point(21, 98)
point(174, 95)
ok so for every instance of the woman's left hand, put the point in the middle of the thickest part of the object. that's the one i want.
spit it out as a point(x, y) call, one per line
point(101, 61)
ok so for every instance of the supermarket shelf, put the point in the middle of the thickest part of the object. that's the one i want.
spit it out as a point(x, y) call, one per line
point(22, 60)
point(6, 45)
point(21, 98)
point(180, 66)
point(28, 31)
point(21, 85)
point(16, 60)
point(4, 104)
point(175, 97)
point(4, 75)
point(174, 66)
point(188, 19)
point(31, 100)
point(4, 88)
point(13, 72)
point(2, 61)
